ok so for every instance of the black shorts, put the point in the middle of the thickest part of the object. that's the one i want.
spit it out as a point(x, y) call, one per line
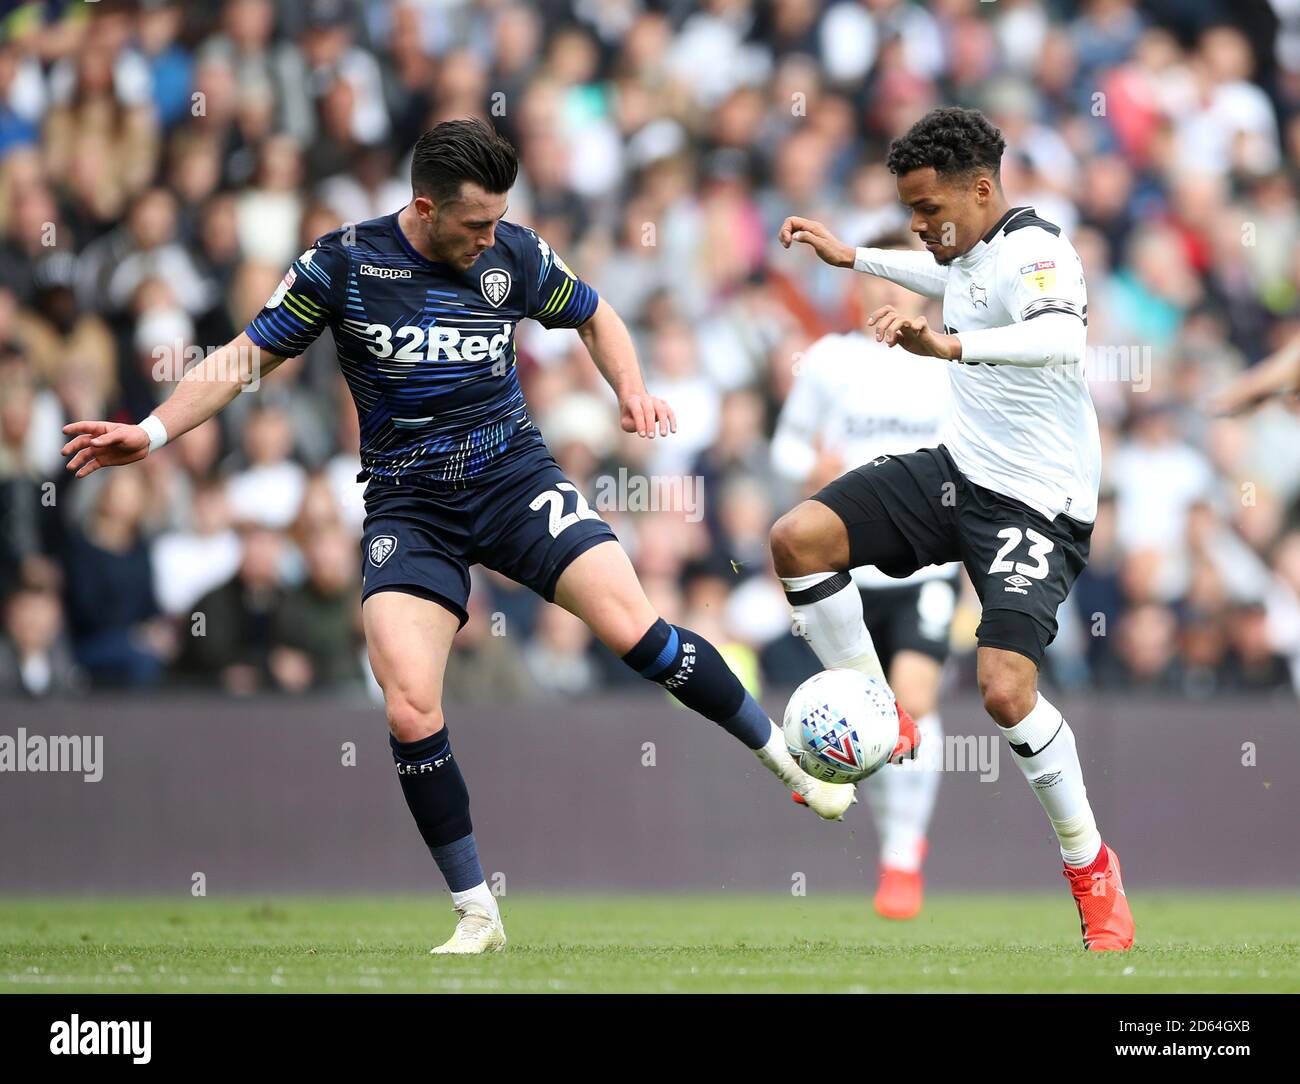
point(529, 524)
point(904, 512)
point(914, 617)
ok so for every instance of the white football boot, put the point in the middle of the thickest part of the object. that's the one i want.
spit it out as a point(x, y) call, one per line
point(830, 801)
point(479, 930)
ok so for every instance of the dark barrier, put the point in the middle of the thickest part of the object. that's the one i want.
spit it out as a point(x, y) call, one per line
point(632, 793)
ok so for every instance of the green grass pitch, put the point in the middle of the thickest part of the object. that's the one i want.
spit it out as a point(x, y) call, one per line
point(668, 944)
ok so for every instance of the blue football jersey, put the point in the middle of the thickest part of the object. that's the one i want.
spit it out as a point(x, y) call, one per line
point(428, 350)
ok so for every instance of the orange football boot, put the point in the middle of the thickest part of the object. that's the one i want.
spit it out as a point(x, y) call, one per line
point(900, 891)
point(1104, 916)
point(909, 739)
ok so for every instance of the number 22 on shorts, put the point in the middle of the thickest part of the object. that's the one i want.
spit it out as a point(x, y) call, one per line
point(559, 521)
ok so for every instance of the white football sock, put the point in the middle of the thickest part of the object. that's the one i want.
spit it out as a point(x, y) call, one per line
point(479, 895)
point(902, 799)
point(775, 757)
point(1053, 770)
point(833, 622)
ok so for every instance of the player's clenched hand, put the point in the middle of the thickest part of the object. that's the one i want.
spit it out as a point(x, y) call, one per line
point(642, 414)
point(807, 232)
point(913, 333)
point(103, 444)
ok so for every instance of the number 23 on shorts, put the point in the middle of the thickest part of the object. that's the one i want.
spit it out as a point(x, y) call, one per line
point(1039, 547)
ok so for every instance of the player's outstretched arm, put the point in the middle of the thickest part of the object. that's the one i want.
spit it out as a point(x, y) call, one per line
point(610, 346)
point(807, 231)
point(204, 391)
point(914, 270)
point(1277, 374)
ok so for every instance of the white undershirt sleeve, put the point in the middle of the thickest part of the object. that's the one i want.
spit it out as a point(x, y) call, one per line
point(915, 270)
point(1054, 338)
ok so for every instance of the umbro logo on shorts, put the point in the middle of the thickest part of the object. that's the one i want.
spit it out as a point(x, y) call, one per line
point(381, 548)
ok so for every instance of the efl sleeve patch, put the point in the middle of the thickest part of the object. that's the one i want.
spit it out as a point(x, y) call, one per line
point(1040, 275)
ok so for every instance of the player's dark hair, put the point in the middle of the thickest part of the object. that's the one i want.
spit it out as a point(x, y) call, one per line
point(951, 141)
point(456, 151)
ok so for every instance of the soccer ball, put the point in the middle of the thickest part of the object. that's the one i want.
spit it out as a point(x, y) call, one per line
point(841, 725)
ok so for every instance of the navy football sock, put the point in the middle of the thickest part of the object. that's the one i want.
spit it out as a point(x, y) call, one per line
point(690, 668)
point(438, 799)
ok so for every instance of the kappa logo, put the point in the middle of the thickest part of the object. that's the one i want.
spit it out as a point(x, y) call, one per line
point(978, 295)
point(381, 548)
point(1018, 584)
point(495, 284)
point(386, 272)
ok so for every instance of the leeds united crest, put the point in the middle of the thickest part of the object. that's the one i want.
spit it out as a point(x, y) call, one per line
point(381, 548)
point(495, 284)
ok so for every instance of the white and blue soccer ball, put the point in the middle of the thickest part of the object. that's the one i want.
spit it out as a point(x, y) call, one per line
point(841, 725)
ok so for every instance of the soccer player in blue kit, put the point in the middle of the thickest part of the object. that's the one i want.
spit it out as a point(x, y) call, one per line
point(423, 305)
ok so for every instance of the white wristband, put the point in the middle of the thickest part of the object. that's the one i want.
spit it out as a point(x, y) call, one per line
point(157, 432)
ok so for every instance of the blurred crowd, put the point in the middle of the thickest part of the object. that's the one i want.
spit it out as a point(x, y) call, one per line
point(162, 163)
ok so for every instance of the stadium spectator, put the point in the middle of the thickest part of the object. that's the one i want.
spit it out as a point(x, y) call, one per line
point(34, 656)
point(112, 612)
point(230, 637)
point(312, 641)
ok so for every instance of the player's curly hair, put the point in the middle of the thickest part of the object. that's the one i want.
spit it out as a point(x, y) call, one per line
point(950, 140)
point(462, 150)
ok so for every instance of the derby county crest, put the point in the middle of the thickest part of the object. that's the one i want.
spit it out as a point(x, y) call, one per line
point(495, 284)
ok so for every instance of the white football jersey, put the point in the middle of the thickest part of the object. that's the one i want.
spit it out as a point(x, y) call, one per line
point(860, 399)
point(1024, 428)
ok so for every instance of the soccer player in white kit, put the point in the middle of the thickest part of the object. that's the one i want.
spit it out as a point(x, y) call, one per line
point(1011, 491)
point(854, 399)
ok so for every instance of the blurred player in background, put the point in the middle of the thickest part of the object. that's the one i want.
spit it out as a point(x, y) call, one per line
point(853, 400)
point(1012, 491)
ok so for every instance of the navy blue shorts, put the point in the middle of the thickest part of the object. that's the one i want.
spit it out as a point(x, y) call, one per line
point(529, 525)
